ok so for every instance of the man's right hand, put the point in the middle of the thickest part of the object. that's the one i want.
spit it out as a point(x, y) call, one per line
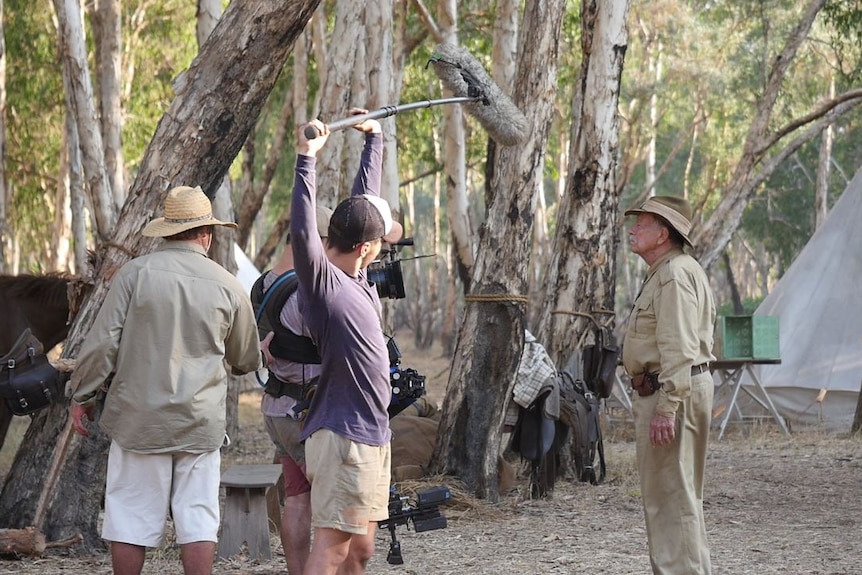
point(78, 412)
point(369, 126)
point(306, 147)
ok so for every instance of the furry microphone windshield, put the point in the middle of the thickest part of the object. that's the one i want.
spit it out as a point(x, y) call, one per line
point(465, 77)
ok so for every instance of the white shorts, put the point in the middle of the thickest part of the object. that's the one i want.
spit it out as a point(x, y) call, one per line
point(142, 489)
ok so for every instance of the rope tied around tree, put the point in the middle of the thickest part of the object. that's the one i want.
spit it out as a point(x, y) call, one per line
point(497, 298)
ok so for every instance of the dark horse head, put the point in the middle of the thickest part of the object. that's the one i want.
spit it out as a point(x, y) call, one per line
point(38, 302)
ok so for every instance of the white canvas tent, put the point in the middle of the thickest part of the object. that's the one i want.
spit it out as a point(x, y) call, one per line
point(246, 273)
point(819, 306)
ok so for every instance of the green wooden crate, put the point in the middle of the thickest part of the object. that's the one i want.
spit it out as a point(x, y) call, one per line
point(746, 337)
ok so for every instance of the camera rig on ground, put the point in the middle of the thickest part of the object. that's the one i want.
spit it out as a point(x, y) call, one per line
point(407, 384)
point(424, 513)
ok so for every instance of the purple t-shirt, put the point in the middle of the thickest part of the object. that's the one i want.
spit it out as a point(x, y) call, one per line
point(343, 316)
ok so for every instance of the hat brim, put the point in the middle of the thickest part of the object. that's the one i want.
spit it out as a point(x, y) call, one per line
point(159, 228)
point(395, 234)
point(636, 211)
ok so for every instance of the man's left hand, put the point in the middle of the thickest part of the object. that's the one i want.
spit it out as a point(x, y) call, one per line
point(662, 430)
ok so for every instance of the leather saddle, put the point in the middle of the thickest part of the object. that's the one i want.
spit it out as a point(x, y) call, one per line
point(28, 381)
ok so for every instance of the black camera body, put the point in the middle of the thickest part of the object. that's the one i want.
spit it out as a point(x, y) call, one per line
point(386, 274)
point(388, 279)
point(424, 513)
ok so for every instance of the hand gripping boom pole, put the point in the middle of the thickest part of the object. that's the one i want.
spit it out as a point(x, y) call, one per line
point(470, 85)
point(384, 112)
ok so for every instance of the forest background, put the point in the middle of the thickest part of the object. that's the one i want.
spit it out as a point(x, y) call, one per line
point(693, 77)
point(748, 109)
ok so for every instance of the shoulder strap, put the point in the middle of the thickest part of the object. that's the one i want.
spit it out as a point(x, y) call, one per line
point(268, 293)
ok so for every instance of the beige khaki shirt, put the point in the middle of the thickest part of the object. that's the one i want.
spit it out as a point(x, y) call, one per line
point(671, 327)
point(169, 321)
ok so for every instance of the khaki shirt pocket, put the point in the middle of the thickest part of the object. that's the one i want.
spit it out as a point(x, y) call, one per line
point(644, 321)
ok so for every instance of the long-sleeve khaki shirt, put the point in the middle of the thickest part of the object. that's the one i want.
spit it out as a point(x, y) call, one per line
point(169, 321)
point(671, 327)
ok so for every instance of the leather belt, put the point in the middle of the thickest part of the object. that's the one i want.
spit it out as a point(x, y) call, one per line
point(698, 369)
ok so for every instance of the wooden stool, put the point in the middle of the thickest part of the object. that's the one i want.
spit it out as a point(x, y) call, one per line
point(245, 513)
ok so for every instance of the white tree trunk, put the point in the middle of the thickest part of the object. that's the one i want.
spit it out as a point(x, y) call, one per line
point(336, 99)
point(504, 58)
point(821, 194)
point(492, 332)
point(582, 270)
point(382, 82)
point(109, 71)
point(74, 55)
point(454, 159)
point(5, 191)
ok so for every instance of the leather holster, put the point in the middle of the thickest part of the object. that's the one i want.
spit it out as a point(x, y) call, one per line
point(645, 383)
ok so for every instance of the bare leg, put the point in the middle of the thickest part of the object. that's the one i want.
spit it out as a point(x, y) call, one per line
point(360, 553)
point(127, 559)
point(328, 552)
point(198, 557)
point(296, 531)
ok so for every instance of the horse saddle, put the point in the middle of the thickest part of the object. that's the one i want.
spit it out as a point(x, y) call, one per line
point(28, 381)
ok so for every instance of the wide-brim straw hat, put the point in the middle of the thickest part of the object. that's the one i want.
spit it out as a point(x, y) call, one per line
point(185, 208)
point(675, 211)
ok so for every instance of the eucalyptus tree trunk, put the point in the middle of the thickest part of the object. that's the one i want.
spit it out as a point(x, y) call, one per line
point(224, 238)
point(73, 53)
point(582, 271)
point(5, 192)
point(296, 103)
point(337, 97)
point(824, 159)
point(455, 159)
point(108, 36)
point(57, 480)
point(59, 247)
point(491, 336)
point(384, 89)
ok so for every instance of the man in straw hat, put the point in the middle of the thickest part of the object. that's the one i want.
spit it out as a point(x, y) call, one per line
point(346, 432)
point(169, 321)
point(667, 350)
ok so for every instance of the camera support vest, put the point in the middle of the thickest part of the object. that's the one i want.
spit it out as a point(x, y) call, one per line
point(267, 306)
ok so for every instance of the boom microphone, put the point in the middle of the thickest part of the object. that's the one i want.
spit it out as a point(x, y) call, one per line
point(464, 76)
point(384, 112)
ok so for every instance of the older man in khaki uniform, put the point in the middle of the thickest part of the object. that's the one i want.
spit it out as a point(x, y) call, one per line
point(667, 350)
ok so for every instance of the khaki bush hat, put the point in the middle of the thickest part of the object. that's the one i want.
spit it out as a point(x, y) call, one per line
point(185, 208)
point(675, 211)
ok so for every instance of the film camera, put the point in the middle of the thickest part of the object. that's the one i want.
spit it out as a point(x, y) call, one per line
point(385, 273)
point(407, 384)
point(424, 513)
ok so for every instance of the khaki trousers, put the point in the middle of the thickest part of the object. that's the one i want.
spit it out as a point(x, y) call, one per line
point(672, 482)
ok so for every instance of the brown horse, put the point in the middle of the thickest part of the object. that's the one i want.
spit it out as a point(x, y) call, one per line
point(38, 302)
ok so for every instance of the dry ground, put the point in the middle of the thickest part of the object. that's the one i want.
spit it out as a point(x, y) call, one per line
point(774, 504)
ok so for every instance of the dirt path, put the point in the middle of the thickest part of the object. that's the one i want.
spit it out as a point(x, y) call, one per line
point(774, 504)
